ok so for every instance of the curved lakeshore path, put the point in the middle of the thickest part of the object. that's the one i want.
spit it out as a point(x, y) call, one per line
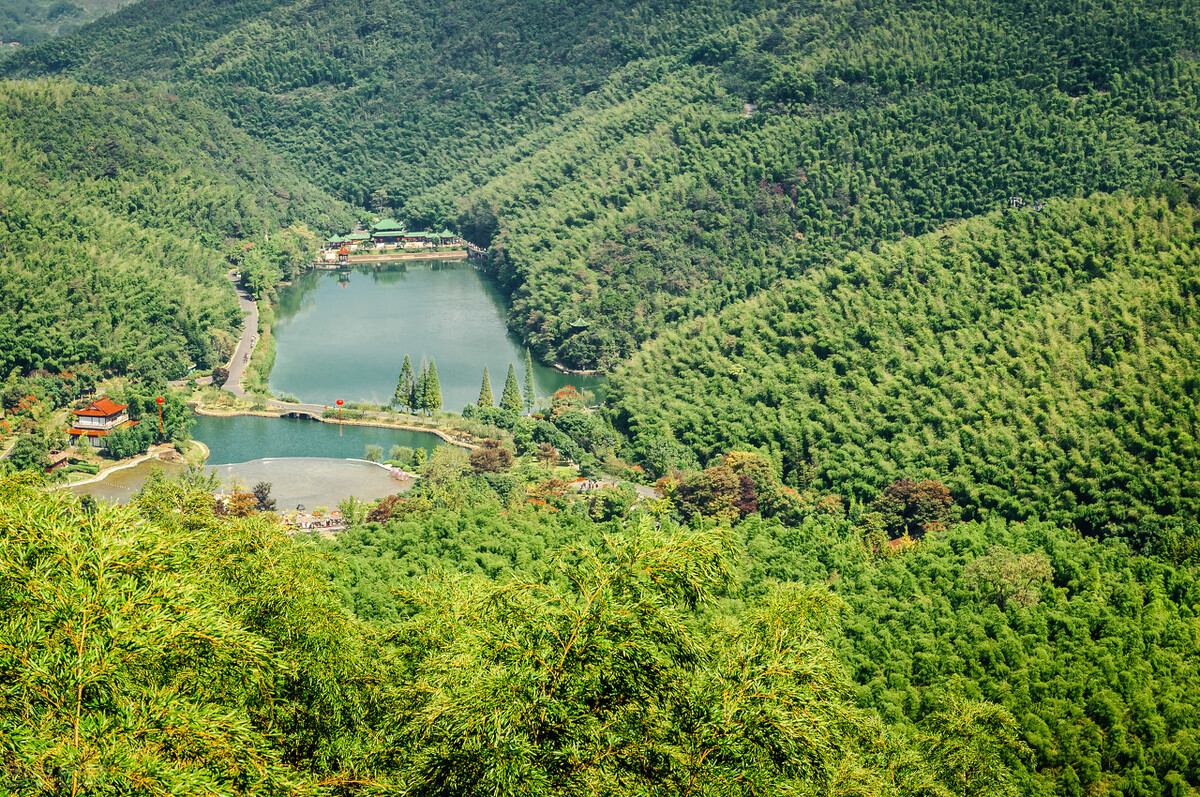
point(245, 346)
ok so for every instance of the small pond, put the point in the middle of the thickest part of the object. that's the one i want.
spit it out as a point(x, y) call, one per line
point(305, 481)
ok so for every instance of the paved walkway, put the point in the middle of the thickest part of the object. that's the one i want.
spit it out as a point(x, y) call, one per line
point(245, 346)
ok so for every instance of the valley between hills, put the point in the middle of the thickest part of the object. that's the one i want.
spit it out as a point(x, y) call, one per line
point(887, 483)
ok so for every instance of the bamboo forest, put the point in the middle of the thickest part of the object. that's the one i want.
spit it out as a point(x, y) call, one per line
point(839, 436)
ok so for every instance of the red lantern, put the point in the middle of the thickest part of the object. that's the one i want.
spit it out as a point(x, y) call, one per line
point(339, 402)
point(159, 400)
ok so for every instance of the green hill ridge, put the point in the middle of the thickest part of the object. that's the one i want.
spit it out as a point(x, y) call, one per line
point(637, 163)
point(118, 207)
point(1041, 363)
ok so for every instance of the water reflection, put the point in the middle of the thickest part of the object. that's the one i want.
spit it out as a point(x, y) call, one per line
point(241, 438)
point(347, 339)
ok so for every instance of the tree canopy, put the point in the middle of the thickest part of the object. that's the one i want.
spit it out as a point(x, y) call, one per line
point(1040, 364)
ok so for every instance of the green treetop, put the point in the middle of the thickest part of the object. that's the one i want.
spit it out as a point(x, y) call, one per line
point(419, 387)
point(530, 393)
point(433, 390)
point(511, 398)
point(485, 391)
point(405, 387)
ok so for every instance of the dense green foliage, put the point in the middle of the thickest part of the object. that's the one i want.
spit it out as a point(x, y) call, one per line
point(1041, 364)
point(750, 200)
point(162, 648)
point(381, 95)
point(605, 154)
point(1101, 673)
point(33, 21)
point(113, 226)
point(1091, 648)
point(158, 649)
point(631, 224)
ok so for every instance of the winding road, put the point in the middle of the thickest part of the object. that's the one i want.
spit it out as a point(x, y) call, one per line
point(245, 346)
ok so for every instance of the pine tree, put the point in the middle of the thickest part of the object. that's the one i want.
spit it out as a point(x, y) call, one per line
point(511, 398)
point(405, 387)
point(530, 392)
point(433, 389)
point(419, 387)
point(485, 391)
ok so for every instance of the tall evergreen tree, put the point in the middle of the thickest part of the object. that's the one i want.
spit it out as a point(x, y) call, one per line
point(485, 391)
point(433, 389)
point(419, 387)
point(511, 398)
point(405, 387)
point(530, 391)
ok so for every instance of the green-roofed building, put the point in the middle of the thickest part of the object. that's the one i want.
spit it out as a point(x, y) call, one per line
point(387, 236)
point(386, 226)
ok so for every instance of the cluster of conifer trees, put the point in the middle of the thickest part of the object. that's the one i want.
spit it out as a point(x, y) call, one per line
point(512, 400)
point(418, 392)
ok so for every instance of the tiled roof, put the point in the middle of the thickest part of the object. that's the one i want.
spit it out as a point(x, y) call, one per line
point(101, 408)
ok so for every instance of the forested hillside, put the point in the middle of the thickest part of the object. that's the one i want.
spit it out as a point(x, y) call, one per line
point(1040, 363)
point(392, 95)
point(851, 263)
point(118, 207)
point(1090, 648)
point(163, 649)
point(32, 21)
point(634, 164)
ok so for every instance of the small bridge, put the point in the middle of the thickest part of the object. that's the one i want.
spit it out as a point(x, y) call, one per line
point(306, 414)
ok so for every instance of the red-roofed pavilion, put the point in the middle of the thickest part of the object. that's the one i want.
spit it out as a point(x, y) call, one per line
point(98, 419)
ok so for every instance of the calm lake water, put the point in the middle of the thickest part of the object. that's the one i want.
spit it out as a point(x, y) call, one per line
point(344, 335)
point(306, 462)
point(242, 438)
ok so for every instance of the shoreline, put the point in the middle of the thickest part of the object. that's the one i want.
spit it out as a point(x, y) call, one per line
point(126, 465)
point(562, 369)
point(453, 254)
point(378, 423)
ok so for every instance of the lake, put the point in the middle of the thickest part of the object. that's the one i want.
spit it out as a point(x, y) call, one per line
point(344, 334)
point(241, 438)
point(307, 462)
